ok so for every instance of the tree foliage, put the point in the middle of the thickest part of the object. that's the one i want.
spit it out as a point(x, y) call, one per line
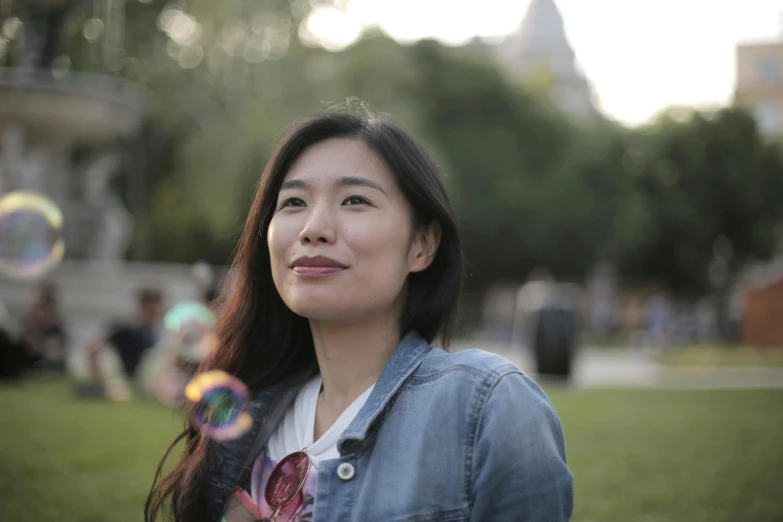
point(711, 186)
point(530, 187)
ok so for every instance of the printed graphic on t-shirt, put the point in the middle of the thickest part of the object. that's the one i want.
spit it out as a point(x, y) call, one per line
point(240, 508)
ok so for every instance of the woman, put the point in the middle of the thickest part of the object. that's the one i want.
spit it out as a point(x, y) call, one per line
point(348, 267)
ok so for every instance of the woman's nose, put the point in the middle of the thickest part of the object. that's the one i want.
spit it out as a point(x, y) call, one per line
point(307, 238)
point(319, 228)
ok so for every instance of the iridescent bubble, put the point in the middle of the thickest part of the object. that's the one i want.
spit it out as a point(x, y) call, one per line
point(220, 400)
point(191, 324)
point(31, 242)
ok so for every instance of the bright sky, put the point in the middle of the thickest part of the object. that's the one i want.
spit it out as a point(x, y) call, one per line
point(640, 55)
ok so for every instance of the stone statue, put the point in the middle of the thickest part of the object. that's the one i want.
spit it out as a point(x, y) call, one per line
point(113, 237)
point(114, 222)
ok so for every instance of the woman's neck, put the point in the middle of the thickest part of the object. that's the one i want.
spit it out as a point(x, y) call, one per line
point(351, 357)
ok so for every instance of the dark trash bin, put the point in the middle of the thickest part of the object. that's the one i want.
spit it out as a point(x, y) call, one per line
point(554, 341)
point(547, 316)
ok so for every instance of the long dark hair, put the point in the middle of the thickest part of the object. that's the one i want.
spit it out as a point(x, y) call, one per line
point(264, 343)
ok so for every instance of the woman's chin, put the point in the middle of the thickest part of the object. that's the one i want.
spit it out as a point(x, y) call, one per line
point(323, 314)
point(324, 307)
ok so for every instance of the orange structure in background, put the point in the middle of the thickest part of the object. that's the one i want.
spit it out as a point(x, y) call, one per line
point(763, 317)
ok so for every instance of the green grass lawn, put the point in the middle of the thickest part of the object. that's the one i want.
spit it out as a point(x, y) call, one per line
point(637, 455)
point(709, 355)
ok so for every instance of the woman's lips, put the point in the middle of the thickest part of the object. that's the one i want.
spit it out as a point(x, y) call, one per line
point(316, 270)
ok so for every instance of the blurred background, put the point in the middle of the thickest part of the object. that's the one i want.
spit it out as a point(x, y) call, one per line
point(616, 167)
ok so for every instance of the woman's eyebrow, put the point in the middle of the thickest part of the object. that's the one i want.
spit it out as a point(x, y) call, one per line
point(347, 181)
point(343, 181)
point(293, 183)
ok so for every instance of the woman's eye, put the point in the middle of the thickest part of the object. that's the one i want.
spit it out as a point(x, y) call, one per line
point(292, 202)
point(355, 200)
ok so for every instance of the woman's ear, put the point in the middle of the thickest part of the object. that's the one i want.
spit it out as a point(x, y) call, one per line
point(424, 247)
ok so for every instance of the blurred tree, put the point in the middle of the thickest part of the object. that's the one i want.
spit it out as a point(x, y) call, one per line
point(586, 210)
point(498, 146)
point(712, 185)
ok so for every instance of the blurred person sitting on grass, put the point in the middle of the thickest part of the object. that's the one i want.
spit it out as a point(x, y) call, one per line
point(14, 358)
point(348, 269)
point(43, 328)
point(168, 368)
point(130, 340)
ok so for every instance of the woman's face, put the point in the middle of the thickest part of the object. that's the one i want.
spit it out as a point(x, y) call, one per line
point(341, 240)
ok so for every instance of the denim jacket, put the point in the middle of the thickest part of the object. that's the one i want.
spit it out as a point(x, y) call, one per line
point(462, 436)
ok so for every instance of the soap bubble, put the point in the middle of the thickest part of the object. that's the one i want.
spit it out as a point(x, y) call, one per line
point(31, 242)
point(220, 400)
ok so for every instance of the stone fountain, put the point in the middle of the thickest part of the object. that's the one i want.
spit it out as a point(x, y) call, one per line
point(45, 115)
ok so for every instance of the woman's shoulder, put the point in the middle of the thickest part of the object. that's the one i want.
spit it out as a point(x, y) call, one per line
point(482, 377)
point(471, 361)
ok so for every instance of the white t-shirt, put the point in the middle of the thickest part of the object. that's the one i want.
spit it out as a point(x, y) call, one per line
point(295, 432)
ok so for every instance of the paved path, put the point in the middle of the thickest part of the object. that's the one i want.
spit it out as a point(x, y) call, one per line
point(627, 368)
point(607, 368)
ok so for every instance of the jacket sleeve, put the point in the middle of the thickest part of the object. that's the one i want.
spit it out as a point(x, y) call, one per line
point(520, 470)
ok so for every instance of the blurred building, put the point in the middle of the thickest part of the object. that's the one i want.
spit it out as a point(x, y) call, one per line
point(760, 83)
point(763, 309)
point(539, 53)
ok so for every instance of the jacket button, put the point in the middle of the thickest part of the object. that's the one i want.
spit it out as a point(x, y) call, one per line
point(345, 471)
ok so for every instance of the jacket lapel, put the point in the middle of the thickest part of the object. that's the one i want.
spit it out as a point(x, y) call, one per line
point(407, 357)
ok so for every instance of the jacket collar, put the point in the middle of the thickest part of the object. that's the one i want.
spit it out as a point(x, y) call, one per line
point(406, 358)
